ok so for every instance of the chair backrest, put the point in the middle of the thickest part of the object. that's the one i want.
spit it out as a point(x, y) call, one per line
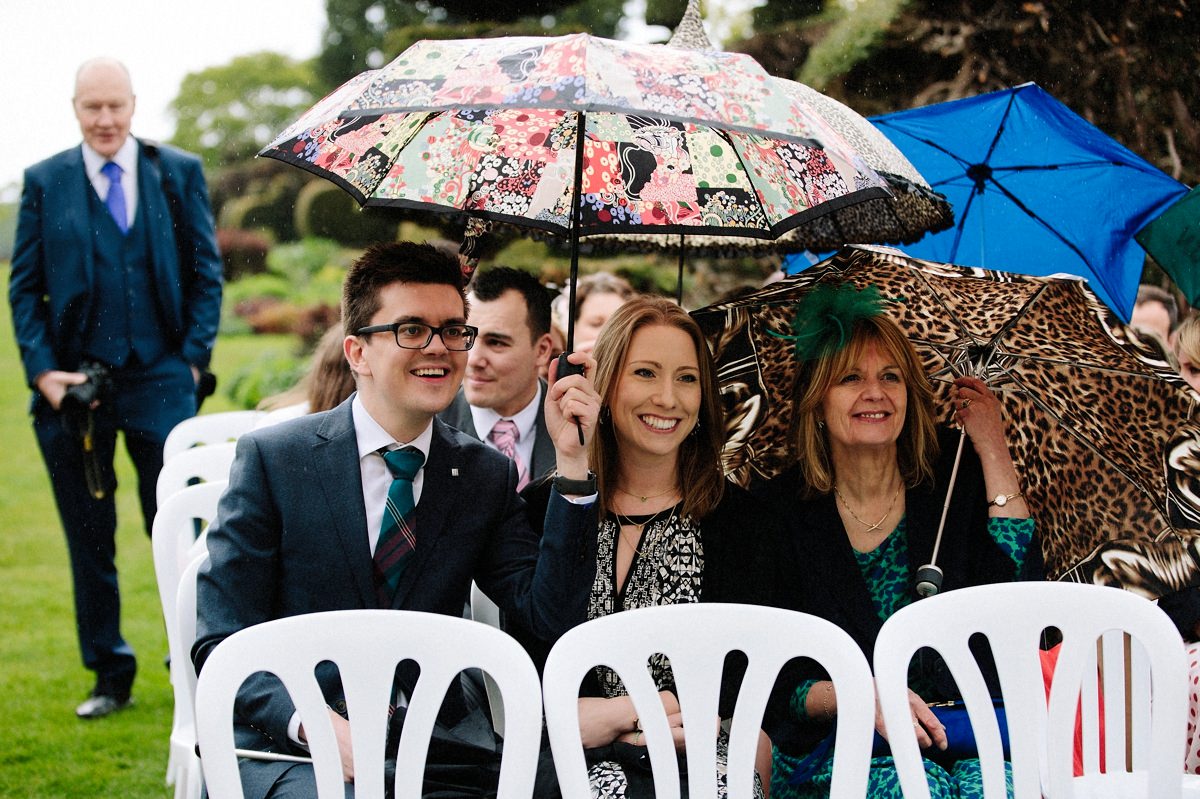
point(366, 645)
point(198, 464)
point(1121, 680)
point(485, 611)
point(183, 685)
point(185, 619)
point(1013, 617)
point(173, 537)
point(209, 428)
point(696, 638)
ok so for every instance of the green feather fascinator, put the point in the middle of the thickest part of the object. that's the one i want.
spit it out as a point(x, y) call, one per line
point(825, 318)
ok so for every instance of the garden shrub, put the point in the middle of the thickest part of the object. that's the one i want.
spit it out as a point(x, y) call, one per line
point(326, 211)
point(243, 252)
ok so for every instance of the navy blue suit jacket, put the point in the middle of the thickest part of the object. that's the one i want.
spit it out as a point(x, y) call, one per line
point(51, 286)
point(291, 538)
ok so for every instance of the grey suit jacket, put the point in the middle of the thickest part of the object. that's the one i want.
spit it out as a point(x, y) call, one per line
point(291, 538)
point(458, 416)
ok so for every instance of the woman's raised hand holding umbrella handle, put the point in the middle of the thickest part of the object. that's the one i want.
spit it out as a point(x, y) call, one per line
point(572, 402)
point(978, 410)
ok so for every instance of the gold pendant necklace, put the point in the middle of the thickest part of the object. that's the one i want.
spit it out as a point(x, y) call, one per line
point(647, 496)
point(870, 527)
point(628, 521)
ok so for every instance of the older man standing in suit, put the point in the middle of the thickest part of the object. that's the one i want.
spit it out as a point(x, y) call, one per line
point(115, 270)
point(363, 506)
point(501, 399)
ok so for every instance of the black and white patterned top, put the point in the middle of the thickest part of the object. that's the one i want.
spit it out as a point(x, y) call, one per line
point(667, 569)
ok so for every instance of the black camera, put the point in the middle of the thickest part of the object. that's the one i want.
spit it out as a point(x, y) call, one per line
point(79, 398)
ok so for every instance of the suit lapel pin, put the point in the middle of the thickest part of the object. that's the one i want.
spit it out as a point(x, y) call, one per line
point(454, 471)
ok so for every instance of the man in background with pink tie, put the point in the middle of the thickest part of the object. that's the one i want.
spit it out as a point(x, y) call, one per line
point(501, 399)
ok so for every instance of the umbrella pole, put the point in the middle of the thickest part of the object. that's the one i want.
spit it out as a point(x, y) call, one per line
point(576, 220)
point(679, 279)
point(565, 367)
point(929, 576)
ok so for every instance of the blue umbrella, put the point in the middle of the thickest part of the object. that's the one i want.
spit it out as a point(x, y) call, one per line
point(1035, 188)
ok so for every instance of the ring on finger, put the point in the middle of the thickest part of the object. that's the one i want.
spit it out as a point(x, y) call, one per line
point(916, 724)
point(966, 403)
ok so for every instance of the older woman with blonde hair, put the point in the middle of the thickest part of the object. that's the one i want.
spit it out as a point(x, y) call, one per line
point(864, 502)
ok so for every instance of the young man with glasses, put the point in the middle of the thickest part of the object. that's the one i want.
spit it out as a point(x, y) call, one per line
point(311, 502)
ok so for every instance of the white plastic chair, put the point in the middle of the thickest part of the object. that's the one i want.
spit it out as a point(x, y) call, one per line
point(210, 428)
point(696, 638)
point(366, 645)
point(485, 611)
point(1013, 617)
point(284, 414)
point(204, 464)
point(189, 776)
point(173, 543)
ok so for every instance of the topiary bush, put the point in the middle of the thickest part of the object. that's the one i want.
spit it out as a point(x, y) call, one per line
point(243, 252)
point(323, 210)
point(268, 209)
point(273, 185)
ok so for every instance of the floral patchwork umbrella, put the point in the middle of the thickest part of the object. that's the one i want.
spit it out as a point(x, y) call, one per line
point(1097, 421)
point(674, 141)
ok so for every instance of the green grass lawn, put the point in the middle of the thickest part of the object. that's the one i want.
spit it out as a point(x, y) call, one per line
point(46, 751)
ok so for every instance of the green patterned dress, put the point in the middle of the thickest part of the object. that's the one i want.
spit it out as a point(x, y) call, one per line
point(888, 576)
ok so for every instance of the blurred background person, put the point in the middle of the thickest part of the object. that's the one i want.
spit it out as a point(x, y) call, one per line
point(1155, 311)
point(115, 290)
point(502, 393)
point(1187, 350)
point(597, 296)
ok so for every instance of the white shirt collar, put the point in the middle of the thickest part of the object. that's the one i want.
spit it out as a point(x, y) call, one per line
point(526, 418)
point(372, 437)
point(126, 158)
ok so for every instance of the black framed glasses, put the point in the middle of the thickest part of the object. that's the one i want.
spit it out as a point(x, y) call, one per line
point(417, 335)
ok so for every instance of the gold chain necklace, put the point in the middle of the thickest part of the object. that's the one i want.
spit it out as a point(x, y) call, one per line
point(647, 496)
point(870, 527)
point(627, 521)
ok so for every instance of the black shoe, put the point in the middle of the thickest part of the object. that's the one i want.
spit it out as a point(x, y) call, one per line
point(101, 704)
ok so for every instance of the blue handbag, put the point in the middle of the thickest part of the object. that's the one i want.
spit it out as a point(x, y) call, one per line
point(960, 741)
point(960, 737)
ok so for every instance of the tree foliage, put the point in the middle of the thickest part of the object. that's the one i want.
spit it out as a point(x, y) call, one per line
point(365, 34)
point(1132, 69)
point(228, 113)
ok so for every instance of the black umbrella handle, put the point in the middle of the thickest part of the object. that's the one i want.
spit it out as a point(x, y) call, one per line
point(563, 369)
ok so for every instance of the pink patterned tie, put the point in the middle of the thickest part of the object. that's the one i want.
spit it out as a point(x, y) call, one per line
point(505, 436)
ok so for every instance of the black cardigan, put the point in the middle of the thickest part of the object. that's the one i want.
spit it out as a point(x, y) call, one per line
point(827, 582)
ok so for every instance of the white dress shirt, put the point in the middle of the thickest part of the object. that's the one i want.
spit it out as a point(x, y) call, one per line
point(376, 477)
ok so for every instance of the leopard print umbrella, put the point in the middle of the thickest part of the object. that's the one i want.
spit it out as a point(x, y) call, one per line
point(1100, 426)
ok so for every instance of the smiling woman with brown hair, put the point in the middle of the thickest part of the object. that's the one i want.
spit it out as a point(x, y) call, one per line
point(670, 529)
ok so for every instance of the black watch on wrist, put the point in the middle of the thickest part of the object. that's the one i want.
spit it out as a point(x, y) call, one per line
point(579, 488)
